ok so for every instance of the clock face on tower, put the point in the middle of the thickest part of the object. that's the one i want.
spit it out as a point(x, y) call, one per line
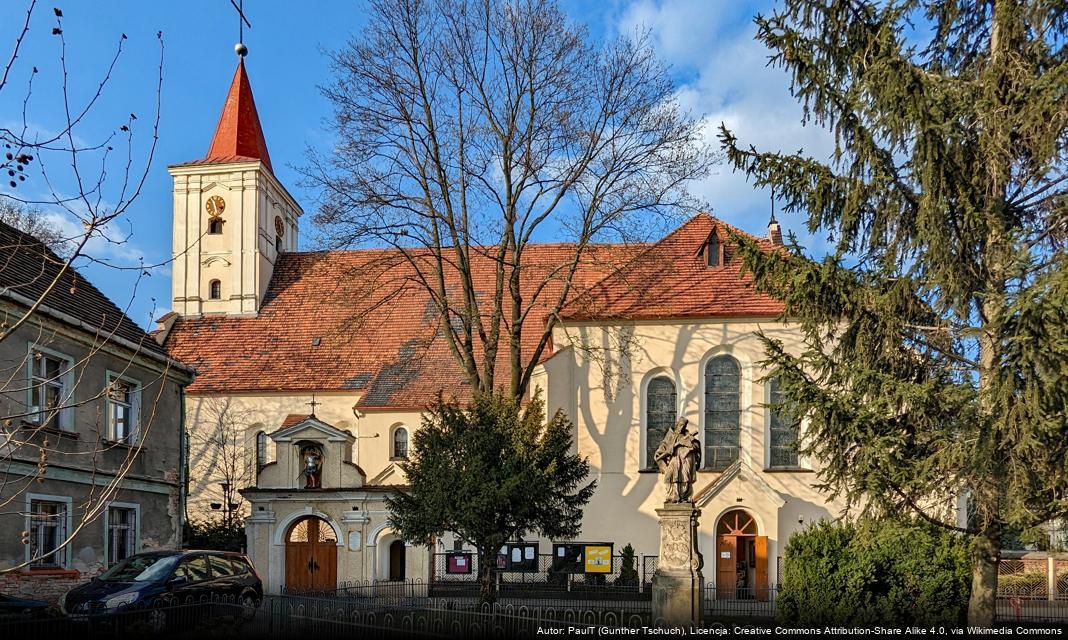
point(215, 206)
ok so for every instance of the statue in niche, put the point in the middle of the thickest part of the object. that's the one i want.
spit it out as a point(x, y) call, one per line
point(678, 457)
point(312, 472)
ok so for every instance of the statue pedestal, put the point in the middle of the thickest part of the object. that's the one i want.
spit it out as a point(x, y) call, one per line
point(678, 586)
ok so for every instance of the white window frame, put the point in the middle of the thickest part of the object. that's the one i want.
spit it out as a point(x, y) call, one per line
point(63, 556)
point(66, 380)
point(136, 508)
point(643, 411)
point(135, 409)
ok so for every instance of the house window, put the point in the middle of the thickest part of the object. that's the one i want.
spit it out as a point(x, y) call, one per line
point(261, 450)
point(400, 443)
point(122, 533)
point(784, 430)
point(712, 251)
point(48, 389)
point(214, 290)
point(722, 412)
point(48, 531)
point(215, 226)
point(122, 410)
point(660, 408)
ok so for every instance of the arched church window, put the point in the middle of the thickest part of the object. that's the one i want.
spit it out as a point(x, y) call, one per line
point(400, 443)
point(214, 290)
point(215, 226)
point(660, 409)
point(261, 450)
point(722, 412)
point(784, 429)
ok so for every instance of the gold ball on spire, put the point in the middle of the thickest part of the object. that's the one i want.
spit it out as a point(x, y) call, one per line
point(241, 49)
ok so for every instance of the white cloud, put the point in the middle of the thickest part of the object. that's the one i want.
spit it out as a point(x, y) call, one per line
point(729, 82)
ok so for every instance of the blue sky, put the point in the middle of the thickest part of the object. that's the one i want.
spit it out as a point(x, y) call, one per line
point(718, 67)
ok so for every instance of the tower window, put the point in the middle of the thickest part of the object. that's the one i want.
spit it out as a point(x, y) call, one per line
point(215, 226)
point(214, 290)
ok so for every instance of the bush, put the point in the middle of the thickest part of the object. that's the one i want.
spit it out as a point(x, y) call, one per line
point(628, 573)
point(215, 535)
point(871, 572)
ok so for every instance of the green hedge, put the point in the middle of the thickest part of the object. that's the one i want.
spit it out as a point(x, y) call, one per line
point(874, 572)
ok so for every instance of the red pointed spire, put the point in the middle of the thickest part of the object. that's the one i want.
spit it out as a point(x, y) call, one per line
point(239, 135)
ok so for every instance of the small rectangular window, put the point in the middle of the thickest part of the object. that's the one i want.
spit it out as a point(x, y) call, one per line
point(122, 533)
point(122, 410)
point(49, 390)
point(48, 531)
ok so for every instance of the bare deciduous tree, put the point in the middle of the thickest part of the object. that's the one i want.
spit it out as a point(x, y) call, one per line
point(61, 169)
point(468, 130)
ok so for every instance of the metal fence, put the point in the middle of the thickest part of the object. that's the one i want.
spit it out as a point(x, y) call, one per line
point(622, 599)
point(544, 569)
point(304, 616)
point(740, 604)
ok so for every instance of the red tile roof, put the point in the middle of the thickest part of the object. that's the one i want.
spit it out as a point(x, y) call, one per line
point(294, 418)
point(672, 279)
point(238, 136)
point(355, 320)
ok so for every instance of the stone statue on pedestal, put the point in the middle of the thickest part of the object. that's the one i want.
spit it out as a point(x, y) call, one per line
point(679, 457)
point(678, 585)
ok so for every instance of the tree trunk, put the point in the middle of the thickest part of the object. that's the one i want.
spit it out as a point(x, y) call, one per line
point(983, 601)
point(487, 575)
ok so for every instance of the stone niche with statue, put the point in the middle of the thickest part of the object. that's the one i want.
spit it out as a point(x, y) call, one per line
point(311, 454)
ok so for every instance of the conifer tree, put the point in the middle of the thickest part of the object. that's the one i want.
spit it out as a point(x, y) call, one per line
point(492, 472)
point(936, 333)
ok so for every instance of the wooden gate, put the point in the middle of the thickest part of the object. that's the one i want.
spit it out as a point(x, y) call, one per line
point(311, 555)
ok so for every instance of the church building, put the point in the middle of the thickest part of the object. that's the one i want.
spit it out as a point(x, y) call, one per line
point(325, 406)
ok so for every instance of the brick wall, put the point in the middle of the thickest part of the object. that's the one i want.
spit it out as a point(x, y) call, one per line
point(47, 585)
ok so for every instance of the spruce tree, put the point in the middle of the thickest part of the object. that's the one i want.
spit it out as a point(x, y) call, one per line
point(936, 333)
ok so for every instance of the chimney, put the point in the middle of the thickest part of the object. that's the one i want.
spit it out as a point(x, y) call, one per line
point(774, 232)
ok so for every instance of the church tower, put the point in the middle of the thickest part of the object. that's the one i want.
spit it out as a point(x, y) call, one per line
point(232, 217)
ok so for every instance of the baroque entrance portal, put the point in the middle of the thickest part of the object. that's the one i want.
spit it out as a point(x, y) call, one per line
point(311, 555)
point(741, 558)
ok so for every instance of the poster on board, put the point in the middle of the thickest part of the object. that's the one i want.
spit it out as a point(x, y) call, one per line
point(598, 558)
point(567, 557)
point(458, 563)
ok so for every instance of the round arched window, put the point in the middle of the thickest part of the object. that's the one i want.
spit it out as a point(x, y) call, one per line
point(400, 443)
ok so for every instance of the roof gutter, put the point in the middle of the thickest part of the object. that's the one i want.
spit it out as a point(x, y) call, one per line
point(84, 326)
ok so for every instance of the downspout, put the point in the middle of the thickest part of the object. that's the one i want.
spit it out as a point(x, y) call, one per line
point(183, 466)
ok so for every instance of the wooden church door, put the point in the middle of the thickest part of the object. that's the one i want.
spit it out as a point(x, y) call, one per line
point(311, 556)
point(741, 558)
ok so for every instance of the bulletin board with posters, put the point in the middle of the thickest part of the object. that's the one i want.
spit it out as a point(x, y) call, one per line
point(518, 556)
point(458, 562)
point(568, 557)
point(597, 558)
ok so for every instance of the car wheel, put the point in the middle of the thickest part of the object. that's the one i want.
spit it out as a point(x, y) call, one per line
point(249, 604)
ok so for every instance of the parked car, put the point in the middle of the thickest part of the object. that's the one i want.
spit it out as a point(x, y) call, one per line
point(160, 580)
point(12, 608)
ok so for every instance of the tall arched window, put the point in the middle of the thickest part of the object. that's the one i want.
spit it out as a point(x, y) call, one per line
point(722, 412)
point(261, 450)
point(784, 430)
point(214, 290)
point(660, 407)
point(400, 443)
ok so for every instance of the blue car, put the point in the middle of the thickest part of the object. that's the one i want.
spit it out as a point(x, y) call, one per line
point(165, 579)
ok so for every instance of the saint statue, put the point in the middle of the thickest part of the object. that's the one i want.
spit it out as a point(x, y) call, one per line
point(678, 458)
point(313, 463)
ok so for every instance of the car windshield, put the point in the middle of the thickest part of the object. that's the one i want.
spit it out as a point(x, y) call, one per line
point(141, 569)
